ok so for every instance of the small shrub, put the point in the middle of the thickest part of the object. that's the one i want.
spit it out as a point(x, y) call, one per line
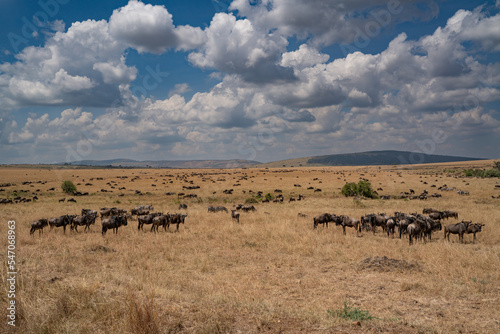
point(68, 187)
point(269, 197)
point(251, 200)
point(351, 313)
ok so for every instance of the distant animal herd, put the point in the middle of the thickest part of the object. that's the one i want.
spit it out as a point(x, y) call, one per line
point(415, 226)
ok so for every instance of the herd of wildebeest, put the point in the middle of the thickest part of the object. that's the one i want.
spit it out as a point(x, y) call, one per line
point(415, 226)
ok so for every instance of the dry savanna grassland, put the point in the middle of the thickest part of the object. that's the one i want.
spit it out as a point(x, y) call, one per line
point(270, 273)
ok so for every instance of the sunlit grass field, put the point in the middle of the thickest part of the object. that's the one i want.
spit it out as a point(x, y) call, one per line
point(270, 273)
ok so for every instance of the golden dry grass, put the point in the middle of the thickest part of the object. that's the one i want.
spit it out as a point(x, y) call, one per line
point(271, 273)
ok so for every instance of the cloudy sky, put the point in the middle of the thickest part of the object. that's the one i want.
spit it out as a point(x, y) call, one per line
point(262, 79)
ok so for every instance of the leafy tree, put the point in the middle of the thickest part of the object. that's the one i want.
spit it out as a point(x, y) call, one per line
point(349, 189)
point(68, 187)
point(363, 188)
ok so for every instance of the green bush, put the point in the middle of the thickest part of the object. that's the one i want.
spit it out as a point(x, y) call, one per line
point(349, 189)
point(363, 188)
point(68, 187)
point(269, 197)
point(351, 313)
point(482, 172)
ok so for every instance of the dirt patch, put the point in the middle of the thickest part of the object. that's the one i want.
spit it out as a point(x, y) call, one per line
point(383, 263)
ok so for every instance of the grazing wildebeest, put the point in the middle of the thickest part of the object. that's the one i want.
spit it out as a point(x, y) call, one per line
point(323, 219)
point(474, 228)
point(41, 223)
point(246, 208)
point(183, 206)
point(349, 222)
point(113, 223)
point(235, 215)
point(60, 221)
point(71, 200)
point(62, 200)
point(217, 209)
point(146, 219)
point(458, 228)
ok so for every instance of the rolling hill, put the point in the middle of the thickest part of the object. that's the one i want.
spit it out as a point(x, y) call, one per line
point(368, 159)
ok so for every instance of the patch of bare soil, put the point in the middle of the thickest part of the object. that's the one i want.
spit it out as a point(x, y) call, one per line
point(383, 263)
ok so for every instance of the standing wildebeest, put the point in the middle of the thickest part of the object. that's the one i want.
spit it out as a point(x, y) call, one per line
point(41, 223)
point(414, 230)
point(84, 220)
point(377, 220)
point(235, 215)
point(60, 221)
point(142, 210)
point(146, 219)
point(349, 222)
point(113, 223)
point(474, 228)
point(447, 214)
point(390, 225)
point(107, 212)
point(323, 219)
point(163, 220)
point(458, 228)
point(178, 219)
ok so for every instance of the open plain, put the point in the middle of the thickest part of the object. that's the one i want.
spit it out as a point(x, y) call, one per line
point(271, 273)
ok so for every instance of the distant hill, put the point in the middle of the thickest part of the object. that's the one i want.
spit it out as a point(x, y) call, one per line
point(235, 163)
point(368, 159)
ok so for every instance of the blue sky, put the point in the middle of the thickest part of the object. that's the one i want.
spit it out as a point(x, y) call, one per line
point(260, 80)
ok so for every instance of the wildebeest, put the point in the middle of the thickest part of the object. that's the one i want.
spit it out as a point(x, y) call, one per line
point(41, 223)
point(183, 206)
point(162, 220)
point(146, 219)
point(113, 223)
point(107, 212)
point(235, 215)
point(349, 222)
point(446, 214)
point(390, 226)
point(414, 230)
point(245, 208)
point(86, 220)
point(324, 219)
point(458, 228)
point(142, 210)
point(474, 228)
point(60, 221)
point(177, 219)
point(217, 209)
point(376, 220)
